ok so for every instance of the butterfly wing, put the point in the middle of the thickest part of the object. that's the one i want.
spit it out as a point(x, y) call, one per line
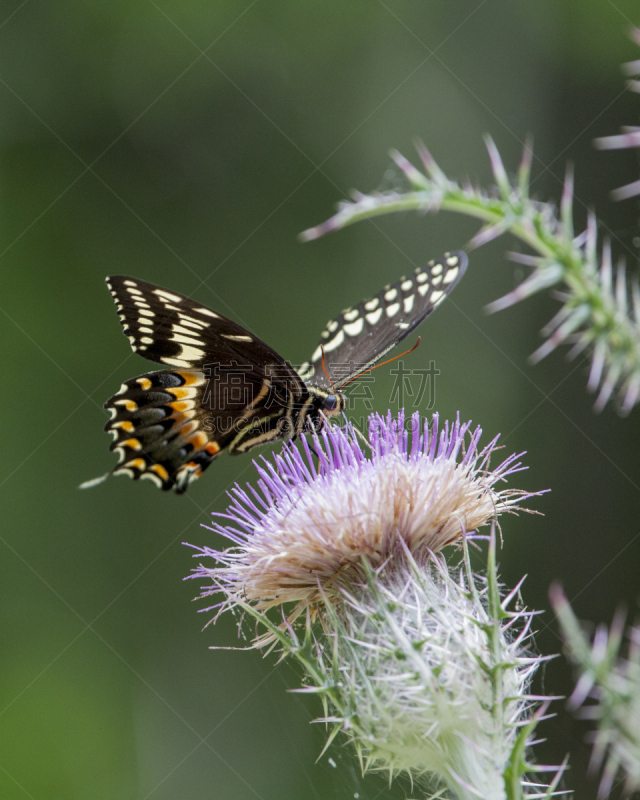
point(169, 426)
point(227, 389)
point(362, 335)
point(176, 331)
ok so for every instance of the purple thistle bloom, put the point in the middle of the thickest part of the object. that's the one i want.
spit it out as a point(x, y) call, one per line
point(324, 505)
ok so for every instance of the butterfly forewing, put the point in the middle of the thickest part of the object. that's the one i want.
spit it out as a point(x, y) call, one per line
point(361, 335)
point(175, 331)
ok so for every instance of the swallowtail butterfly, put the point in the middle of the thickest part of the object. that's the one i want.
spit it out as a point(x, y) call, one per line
point(222, 388)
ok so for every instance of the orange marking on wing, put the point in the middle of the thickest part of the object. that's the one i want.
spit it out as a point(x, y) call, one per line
point(212, 448)
point(191, 378)
point(185, 416)
point(193, 467)
point(161, 471)
point(134, 444)
point(186, 429)
point(181, 392)
point(138, 463)
point(181, 405)
point(125, 424)
point(128, 404)
point(145, 383)
point(198, 440)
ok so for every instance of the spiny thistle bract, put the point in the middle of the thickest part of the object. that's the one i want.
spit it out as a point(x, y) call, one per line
point(607, 692)
point(600, 311)
point(423, 667)
point(630, 136)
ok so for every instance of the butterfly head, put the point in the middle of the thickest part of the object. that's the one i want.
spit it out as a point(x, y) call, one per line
point(334, 404)
point(324, 404)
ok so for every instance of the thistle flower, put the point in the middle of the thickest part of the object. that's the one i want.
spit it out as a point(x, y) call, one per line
point(305, 532)
point(423, 667)
point(607, 692)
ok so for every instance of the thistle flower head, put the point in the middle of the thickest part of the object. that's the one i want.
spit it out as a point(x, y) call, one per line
point(423, 668)
point(305, 531)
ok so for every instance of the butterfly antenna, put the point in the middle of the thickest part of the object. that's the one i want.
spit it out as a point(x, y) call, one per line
point(324, 369)
point(370, 369)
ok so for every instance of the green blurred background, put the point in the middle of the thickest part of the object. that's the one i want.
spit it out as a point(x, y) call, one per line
point(191, 141)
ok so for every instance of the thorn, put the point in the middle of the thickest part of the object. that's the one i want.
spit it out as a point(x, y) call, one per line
point(499, 172)
point(566, 204)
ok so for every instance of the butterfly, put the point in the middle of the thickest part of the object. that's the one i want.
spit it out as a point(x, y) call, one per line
point(222, 388)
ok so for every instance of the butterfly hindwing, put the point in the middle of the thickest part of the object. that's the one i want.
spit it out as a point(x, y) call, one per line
point(168, 426)
point(362, 335)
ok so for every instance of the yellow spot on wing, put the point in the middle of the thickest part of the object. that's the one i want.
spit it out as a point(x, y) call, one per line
point(128, 404)
point(182, 405)
point(208, 312)
point(161, 471)
point(192, 378)
point(198, 440)
point(162, 293)
point(153, 478)
point(393, 309)
point(137, 463)
point(175, 362)
point(181, 392)
point(188, 340)
point(125, 424)
point(354, 328)
point(335, 342)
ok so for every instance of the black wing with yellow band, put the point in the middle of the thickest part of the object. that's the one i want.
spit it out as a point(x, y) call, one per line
point(362, 335)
